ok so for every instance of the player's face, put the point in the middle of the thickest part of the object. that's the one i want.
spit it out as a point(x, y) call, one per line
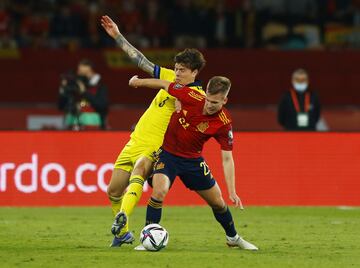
point(184, 75)
point(84, 70)
point(214, 103)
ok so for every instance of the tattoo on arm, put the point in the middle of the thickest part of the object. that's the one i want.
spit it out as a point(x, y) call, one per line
point(135, 55)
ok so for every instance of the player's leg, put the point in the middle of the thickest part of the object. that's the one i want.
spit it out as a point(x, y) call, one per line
point(223, 215)
point(142, 169)
point(118, 183)
point(161, 185)
point(122, 170)
point(199, 178)
point(220, 210)
point(117, 186)
point(161, 181)
point(165, 171)
point(120, 177)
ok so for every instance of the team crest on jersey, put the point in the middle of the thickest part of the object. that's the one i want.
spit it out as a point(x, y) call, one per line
point(178, 86)
point(203, 126)
point(159, 165)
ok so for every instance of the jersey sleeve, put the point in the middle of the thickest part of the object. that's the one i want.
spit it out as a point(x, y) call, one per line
point(225, 137)
point(164, 73)
point(185, 94)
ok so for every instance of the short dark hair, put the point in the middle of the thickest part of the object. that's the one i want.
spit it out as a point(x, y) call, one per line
point(300, 71)
point(87, 62)
point(218, 84)
point(191, 58)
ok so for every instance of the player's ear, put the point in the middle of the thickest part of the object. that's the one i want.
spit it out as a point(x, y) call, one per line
point(225, 100)
point(195, 72)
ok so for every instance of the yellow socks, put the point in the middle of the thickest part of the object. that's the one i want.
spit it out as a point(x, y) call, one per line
point(115, 204)
point(131, 198)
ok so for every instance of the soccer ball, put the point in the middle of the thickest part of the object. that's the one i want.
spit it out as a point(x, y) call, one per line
point(154, 237)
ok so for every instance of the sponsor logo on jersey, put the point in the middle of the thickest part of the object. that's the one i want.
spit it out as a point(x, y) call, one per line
point(133, 193)
point(231, 137)
point(230, 134)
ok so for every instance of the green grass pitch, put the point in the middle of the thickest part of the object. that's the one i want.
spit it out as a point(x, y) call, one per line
point(79, 237)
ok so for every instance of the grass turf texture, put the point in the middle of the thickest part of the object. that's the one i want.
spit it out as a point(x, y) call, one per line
point(79, 237)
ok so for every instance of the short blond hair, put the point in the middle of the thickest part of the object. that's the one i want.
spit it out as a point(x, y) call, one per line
point(219, 84)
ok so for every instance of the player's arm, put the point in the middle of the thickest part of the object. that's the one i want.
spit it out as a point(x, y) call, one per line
point(229, 174)
point(135, 81)
point(176, 90)
point(135, 55)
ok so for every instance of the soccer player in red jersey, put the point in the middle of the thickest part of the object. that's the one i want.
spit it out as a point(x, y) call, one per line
point(202, 116)
point(135, 162)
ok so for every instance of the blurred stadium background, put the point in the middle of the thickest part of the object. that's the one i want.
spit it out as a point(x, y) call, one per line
point(256, 43)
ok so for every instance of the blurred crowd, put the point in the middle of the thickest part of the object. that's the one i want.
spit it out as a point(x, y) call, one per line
point(279, 24)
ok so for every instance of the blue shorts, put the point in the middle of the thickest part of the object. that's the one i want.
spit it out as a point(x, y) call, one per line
point(193, 172)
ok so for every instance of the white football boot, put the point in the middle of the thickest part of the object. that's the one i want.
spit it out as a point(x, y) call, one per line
point(139, 247)
point(241, 243)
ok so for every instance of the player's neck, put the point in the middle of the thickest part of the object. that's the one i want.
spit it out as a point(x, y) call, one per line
point(189, 82)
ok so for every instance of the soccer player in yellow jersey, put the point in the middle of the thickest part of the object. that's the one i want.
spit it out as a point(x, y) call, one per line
point(135, 162)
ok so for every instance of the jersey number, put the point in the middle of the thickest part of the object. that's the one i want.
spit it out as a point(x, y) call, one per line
point(205, 167)
point(183, 123)
point(161, 104)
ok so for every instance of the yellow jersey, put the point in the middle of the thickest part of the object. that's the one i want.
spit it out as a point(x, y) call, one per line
point(152, 125)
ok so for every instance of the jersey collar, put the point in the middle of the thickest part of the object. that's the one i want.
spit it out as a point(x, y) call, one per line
point(196, 83)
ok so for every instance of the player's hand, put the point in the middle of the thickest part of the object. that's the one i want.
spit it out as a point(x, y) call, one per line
point(177, 105)
point(236, 200)
point(110, 26)
point(134, 81)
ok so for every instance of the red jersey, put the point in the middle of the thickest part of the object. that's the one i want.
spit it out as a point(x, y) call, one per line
point(189, 129)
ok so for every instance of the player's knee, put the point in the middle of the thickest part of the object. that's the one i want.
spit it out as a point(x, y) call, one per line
point(140, 170)
point(218, 205)
point(218, 209)
point(111, 191)
point(115, 190)
point(159, 193)
point(142, 167)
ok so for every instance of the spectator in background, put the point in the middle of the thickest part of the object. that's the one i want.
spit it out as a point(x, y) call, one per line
point(224, 25)
point(130, 17)
point(299, 108)
point(34, 30)
point(6, 29)
point(155, 24)
point(186, 25)
point(181, 23)
point(83, 98)
point(67, 27)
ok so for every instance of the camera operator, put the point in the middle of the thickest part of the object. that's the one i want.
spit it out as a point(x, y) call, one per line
point(83, 98)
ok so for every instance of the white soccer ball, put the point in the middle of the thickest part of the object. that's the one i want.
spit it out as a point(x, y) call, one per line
point(154, 237)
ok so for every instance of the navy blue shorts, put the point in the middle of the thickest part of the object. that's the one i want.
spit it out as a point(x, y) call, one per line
point(193, 172)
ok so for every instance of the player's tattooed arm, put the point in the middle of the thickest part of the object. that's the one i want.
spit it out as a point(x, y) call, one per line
point(135, 55)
